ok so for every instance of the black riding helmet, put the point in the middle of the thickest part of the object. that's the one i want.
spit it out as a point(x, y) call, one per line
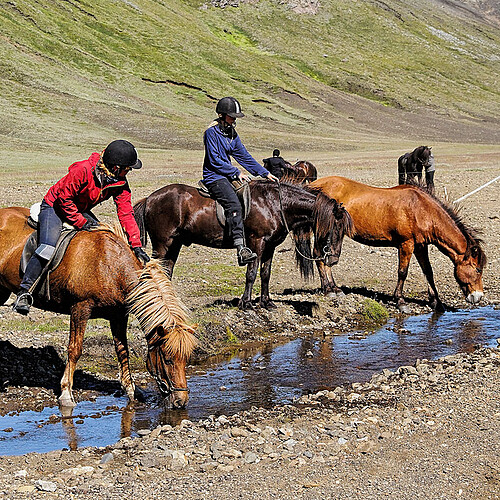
point(229, 106)
point(121, 153)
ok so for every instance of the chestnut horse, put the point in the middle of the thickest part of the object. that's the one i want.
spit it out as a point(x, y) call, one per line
point(408, 218)
point(177, 215)
point(100, 277)
point(302, 172)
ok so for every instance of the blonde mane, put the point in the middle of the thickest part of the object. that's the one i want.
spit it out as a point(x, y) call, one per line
point(161, 314)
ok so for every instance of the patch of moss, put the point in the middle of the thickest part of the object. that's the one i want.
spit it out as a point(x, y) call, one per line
point(374, 313)
point(231, 337)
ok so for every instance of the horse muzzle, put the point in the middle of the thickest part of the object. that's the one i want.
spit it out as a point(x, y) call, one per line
point(474, 297)
point(330, 260)
point(179, 399)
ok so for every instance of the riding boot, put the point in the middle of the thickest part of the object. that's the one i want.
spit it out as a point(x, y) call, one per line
point(245, 255)
point(23, 302)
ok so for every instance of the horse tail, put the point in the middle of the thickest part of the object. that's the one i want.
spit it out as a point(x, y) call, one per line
point(161, 314)
point(140, 218)
point(303, 253)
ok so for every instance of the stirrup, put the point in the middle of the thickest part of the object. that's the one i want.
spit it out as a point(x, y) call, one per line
point(245, 256)
point(23, 303)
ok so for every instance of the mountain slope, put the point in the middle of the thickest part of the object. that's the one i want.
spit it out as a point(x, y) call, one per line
point(82, 72)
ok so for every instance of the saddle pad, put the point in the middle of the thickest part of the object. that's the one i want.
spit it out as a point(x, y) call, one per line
point(61, 246)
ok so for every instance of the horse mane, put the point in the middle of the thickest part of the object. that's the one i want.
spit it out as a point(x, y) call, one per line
point(323, 210)
point(471, 234)
point(161, 314)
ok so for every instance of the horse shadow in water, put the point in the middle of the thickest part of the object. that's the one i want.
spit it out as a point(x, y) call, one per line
point(18, 368)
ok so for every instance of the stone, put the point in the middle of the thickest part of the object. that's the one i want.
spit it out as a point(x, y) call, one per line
point(42, 485)
point(250, 457)
point(149, 461)
point(107, 457)
point(239, 432)
point(26, 488)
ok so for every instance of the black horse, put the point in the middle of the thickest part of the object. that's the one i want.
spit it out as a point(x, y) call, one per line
point(410, 166)
point(177, 215)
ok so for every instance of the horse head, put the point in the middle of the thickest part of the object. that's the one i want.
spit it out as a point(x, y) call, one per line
point(425, 156)
point(166, 362)
point(332, 223)
point(170, 338)
point(469, 272)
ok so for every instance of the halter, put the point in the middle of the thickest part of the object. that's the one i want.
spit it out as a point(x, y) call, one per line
point(326, 248)
point(167, 387)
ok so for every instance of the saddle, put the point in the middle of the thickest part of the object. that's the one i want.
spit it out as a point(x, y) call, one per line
point(43, 282)
point(242, 190)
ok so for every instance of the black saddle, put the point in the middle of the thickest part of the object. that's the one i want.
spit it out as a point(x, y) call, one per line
point(244, 195)
point(43, 283)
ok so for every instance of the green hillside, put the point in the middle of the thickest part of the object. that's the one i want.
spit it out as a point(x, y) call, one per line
point(80, 72)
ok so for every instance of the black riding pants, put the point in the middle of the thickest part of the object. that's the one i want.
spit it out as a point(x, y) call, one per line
point(49, 230)
point(224, 193)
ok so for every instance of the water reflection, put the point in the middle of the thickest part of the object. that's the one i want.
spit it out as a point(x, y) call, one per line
point(260, 377)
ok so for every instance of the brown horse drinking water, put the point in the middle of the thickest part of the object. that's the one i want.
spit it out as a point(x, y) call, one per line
point(408, 218)
point(99, 277)
point(177, 215)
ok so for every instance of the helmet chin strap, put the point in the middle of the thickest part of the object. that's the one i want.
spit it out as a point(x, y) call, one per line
point(228, 129)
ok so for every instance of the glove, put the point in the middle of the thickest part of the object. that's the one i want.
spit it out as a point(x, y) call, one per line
point(89, 225)
point(141, 255)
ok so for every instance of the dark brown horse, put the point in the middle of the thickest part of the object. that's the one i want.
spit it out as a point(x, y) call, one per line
point(410, 219)
point(410, 166)
point(99, 277)
point(302, 172)
point(177, 215)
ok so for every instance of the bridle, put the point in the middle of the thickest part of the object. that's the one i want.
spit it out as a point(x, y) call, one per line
point(326, 249)
point(167, 387)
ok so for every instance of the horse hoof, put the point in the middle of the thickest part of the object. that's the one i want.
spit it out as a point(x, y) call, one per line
point(439, 307)
point(245, 306)
point(268, 305)
point(66, 403)
point(404, 309)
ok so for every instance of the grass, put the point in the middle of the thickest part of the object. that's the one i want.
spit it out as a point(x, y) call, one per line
point(80, 74)
point(374, 313)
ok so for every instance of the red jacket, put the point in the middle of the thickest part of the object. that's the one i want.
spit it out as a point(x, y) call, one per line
point(78, 192)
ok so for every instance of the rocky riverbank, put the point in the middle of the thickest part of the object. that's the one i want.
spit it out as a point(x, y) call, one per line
point(424, 431)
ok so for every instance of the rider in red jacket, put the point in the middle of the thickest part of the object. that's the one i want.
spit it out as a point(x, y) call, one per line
point(87, 183)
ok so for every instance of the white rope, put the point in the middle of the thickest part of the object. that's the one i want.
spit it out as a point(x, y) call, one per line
point(478, 189)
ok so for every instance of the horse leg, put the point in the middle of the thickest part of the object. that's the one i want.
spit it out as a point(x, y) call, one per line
point(328, 285)
point(405, 251)
point(265, 276)
point(168, 255)
point(422, 255)
point(246, 299)
point(80, 314)
point(119, 330)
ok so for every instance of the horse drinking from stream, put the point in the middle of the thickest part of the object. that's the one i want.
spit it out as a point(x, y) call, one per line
point(410, 219)
point(177, 215)
point(100, 277)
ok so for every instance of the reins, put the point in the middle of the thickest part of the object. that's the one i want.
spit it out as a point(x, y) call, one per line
point(326, 251)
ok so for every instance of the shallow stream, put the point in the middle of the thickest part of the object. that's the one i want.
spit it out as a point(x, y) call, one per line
point(260, 377)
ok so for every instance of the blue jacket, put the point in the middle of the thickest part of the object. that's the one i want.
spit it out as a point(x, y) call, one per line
point(217, 164)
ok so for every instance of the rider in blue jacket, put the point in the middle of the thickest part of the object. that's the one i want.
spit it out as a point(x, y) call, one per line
point(222, 142)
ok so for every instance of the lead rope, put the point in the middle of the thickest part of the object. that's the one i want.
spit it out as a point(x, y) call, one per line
point(325, 251)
